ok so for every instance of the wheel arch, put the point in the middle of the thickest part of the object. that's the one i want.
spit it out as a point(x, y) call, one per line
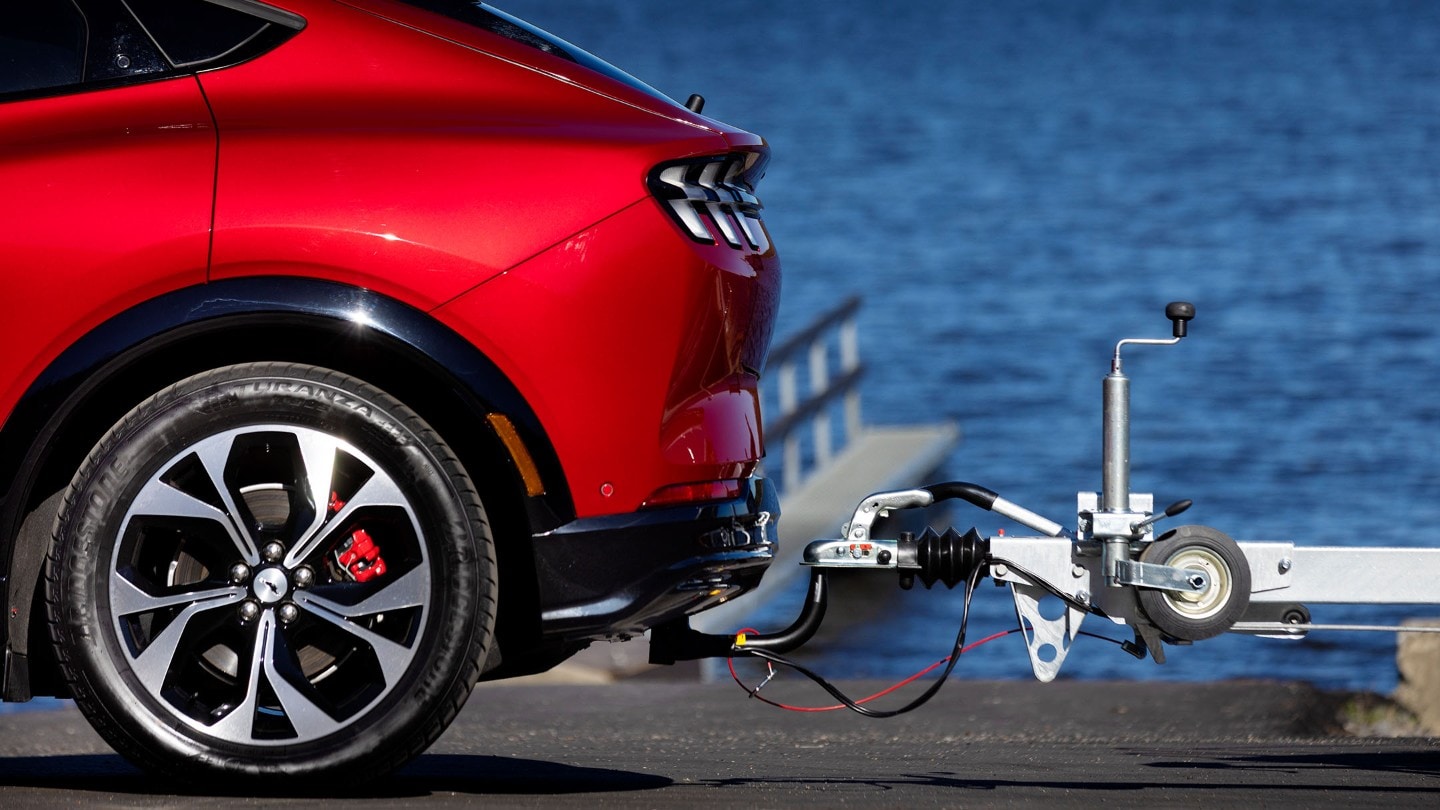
point(402, 350)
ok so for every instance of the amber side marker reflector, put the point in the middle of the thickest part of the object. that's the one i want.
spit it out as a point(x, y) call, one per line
point(510, 437)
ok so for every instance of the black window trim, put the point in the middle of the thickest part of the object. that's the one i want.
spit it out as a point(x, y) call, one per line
point(269, 14)
point(538, 38)
point(181, 66)
point(261, 11)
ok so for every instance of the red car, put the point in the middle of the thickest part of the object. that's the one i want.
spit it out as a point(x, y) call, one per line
point(356, 350)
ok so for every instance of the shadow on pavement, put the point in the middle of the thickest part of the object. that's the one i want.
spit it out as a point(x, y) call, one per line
point(1203, 772)
point(1074, 789)
point(503, 775)
point(434, 773)
point(1421, 763)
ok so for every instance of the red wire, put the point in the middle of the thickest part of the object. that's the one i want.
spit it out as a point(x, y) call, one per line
point(755, 693)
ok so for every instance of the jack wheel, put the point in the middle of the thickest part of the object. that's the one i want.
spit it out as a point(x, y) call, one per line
point(1207, 613)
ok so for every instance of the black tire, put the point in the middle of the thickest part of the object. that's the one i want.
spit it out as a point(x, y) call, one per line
point(1192, 617)
point(197, 650)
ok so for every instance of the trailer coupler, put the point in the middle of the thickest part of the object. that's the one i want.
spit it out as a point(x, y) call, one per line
point(1184, 585)
point(950, 558)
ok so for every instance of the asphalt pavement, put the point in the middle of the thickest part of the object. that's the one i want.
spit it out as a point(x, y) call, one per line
point(667, 743)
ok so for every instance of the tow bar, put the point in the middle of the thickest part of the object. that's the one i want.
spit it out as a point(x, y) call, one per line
point(1184, 585)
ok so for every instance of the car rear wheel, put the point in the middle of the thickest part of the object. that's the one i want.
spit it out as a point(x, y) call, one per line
point(271, 568)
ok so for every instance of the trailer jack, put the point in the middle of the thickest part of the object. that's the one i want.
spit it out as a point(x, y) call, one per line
point(1181, 586)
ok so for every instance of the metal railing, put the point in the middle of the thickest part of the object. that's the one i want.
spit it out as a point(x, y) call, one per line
point(805, 430)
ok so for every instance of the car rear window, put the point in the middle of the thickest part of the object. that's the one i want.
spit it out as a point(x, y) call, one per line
point(194, 32)
point(49, 47)
point(200, 33)
point(41, 45)
point(495, 21)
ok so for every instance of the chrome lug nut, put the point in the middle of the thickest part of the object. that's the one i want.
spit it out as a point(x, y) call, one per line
point(249, 609)
point(288, 612)
point(304, 576)
point(273, 551)
point(239, 573)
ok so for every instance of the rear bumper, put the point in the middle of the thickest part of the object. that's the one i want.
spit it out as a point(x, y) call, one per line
point(619, 575)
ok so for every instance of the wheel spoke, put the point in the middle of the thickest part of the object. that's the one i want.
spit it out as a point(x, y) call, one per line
point(238, 725)
point(153, 664)
point(307, 718)
point(127, 598)
point(410, 590)
point(379, 490)
point(213, 454)
point(162, 500)
point(392, 657)
point(317, 453)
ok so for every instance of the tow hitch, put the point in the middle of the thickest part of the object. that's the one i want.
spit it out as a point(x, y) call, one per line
point(1180, 586)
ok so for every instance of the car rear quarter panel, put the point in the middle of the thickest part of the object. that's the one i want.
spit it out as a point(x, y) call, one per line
point(377, 155)
point(105, 201)
point(648, 377)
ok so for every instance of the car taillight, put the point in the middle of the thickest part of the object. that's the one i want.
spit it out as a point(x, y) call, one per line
point(713, 198)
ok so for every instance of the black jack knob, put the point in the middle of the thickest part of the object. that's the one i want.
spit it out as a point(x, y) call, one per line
point(1180, 314)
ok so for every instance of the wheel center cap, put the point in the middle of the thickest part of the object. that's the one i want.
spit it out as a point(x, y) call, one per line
point(271, 585)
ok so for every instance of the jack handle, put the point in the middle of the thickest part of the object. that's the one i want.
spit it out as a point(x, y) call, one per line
point(992, 502)
point(876, 506)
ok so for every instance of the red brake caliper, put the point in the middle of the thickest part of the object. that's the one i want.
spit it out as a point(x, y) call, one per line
point(357, 555)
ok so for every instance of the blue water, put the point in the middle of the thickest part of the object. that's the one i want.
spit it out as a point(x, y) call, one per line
point(1012, 186)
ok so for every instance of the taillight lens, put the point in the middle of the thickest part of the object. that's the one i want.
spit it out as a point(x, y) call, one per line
point(713, 198)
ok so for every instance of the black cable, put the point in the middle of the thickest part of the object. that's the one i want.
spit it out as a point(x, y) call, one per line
point(1051, 589)
point(914, 704)
point(958, 649)
point(1117, 642)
